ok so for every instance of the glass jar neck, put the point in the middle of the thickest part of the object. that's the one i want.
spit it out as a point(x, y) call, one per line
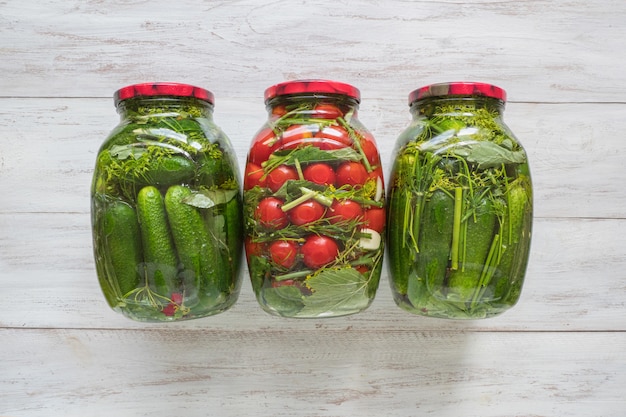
point(148, 107)
point(461, 106)
point(303, 105)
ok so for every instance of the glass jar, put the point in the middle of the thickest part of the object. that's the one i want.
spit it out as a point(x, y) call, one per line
point(460, 205)
point(167, 207)
point(314, 203)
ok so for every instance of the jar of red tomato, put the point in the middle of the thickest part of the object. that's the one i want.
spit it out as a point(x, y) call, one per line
point(314, 203)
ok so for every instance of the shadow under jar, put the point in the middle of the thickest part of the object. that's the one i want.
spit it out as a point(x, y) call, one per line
point(460, 205)
point(314, 203)
point(167, 207)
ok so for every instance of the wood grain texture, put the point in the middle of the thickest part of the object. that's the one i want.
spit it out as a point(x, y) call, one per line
point(560, 352)
point(574, 282)
point(304, 373)
point(575, 152)
point(543, 51)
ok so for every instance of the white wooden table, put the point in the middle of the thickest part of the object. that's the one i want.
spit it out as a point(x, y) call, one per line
point(560, 352)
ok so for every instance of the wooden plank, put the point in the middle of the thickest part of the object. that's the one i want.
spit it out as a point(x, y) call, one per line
point(575, 150)
point(575, 282)
point(538, 50)
point(559, 352)
point(311, 373)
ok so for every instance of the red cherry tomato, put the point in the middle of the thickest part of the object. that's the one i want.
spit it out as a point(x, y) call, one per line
point(279, 111)
point(377, 173)
point(307, 212)
point(375, 219)
point(342, 210)
point(284, 252)
point(297, 135)
point(278, 176)
point(285, 283)
point(319, 173)
point(370, 150)
point(292, 283)
point(264, 143)
point(253, 176)
point(362, 269)
point(270, 214)
point(252, 248)
point(351, 173)
point(332, 137)
point(326, 111)
point(318, 251)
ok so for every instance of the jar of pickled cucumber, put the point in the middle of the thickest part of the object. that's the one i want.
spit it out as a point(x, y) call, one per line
point(460, 205)
point(314, 203)
point(167, 207)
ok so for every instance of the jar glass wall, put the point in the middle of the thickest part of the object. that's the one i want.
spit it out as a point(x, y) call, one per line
point(460, 205)
point(314, 203)
point(167, 207)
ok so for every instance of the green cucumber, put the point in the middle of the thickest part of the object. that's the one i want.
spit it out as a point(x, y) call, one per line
point(198, 251)
point(123, 247)
point(153, 166)
point(401, 257)
point(233, 218)
point(164, 171)
point(158, 248)
point(464, 281)
point(435, 242)
point(515, 245)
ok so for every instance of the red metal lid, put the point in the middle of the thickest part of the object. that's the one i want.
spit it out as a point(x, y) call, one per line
point(460, 88)
point(162, 89)
point(312, 86)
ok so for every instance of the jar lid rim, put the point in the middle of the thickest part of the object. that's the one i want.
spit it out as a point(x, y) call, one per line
point(458, 88)
point(312, 86)
point(161, 89)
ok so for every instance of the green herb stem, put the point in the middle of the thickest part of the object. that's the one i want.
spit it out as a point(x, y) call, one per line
point(318, 196)
point(493, 260)
point(456, 228)
point(509, 210)
point(299, 170)
point(357, 143)
point(293, 275)
point(413, 227)
point(367, 202)
point(405, 220)
point(463, 244)
point(304, 197)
